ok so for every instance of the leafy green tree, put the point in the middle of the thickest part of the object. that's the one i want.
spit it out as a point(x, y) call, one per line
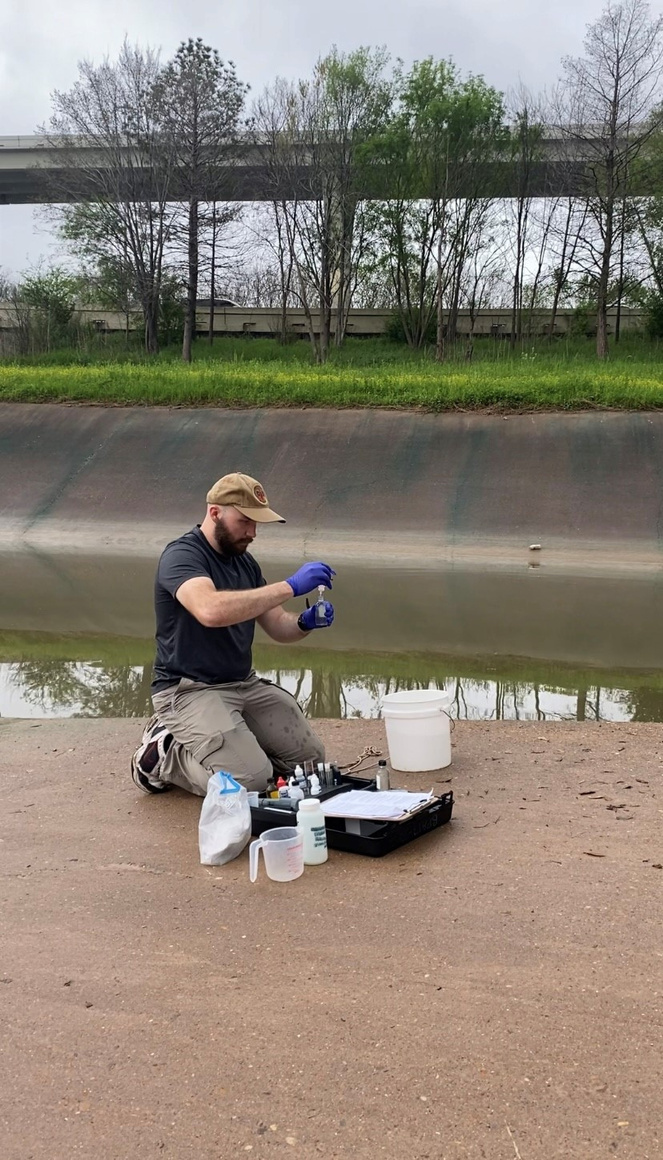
point(442, 138)
point(652, 304)
point(356, 102)
point(52, 296)
point(172, 308)
point(646, 222)
point(199, 99)
point(109, 285)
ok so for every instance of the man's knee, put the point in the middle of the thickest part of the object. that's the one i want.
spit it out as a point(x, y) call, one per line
point(251, 768)
point(255, 776)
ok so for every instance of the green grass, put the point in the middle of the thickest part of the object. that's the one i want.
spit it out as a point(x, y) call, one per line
point(356, 352)
point(366, 373)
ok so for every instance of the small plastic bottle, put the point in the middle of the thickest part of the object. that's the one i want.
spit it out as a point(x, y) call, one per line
point(320, 610)
point(383, 780)
point(315, 785)
point(282, 787)
point(295, 792)
point(311, 821)
point(300, 778)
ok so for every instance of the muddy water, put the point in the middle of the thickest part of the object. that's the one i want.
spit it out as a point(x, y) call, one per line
point(76, 638)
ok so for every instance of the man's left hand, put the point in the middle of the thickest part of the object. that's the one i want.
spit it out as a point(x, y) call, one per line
point(308, 619)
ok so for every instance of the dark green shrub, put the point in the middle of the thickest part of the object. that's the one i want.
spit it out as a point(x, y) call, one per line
point(395, 329)
point(654, 315)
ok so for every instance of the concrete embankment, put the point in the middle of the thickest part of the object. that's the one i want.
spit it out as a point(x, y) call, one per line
point(369, 483)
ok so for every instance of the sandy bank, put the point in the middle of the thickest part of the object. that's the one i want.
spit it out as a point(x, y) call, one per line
point(492, 990)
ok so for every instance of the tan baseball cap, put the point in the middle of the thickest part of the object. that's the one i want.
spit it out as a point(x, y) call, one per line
point(246, 494)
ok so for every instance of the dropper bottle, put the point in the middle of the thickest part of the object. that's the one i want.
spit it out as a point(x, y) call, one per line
point(295, 792)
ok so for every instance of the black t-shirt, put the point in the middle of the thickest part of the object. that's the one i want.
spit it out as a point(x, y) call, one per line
point(185, 648)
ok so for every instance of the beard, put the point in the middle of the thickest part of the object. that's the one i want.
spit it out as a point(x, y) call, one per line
point(227, 544)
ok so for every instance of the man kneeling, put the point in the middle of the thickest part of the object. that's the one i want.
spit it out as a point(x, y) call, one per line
point(212, 711)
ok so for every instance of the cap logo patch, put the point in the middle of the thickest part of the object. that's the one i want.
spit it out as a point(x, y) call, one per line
point(259, 494)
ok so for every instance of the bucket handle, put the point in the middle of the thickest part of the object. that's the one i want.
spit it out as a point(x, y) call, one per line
point(453, 726)
point(451, 719)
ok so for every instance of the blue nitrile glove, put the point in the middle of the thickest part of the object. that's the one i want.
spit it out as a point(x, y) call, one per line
point(308, 619)
point(309, 576)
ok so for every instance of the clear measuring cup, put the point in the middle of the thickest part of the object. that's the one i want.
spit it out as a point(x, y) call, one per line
point(283, 851)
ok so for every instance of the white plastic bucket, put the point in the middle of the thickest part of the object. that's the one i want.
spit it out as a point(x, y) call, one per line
point(418, 734)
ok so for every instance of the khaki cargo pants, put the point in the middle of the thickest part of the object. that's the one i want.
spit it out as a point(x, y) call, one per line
point(249, 728)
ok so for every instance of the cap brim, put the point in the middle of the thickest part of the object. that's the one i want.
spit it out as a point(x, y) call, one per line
point(261, 515)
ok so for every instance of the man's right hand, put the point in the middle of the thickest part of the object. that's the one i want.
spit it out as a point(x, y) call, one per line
point(309, 576)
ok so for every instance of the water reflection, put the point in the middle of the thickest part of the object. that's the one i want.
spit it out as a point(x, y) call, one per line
point(528, 645)
point(63, 688)
point(72, 688)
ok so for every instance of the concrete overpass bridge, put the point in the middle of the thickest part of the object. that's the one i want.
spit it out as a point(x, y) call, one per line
point(33, 171)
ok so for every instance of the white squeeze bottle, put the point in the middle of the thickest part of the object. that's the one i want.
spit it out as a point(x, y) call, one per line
point(311, 821)
point(295, 792)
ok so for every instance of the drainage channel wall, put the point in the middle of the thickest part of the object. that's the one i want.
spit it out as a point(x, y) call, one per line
point(387, 485)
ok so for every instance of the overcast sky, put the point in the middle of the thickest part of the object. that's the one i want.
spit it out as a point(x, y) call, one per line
point(41, 41)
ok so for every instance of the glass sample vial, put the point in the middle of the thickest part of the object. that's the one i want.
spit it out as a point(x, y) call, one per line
point(382, 779)
point(320, 611)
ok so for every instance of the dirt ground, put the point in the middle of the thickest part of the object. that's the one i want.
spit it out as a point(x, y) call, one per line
point(492, 990)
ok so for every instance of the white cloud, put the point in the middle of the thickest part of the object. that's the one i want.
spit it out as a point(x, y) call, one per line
point(41, 42)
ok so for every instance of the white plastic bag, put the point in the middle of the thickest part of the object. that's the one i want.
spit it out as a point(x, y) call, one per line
point(225, 820)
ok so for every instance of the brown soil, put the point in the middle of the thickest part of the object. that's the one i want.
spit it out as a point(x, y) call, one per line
point(492, 990)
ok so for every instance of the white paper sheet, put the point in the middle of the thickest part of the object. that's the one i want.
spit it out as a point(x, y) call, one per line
point(387, 805)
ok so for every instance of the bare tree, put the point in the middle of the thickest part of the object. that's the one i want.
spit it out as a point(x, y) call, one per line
point(6, 285)
point(298, 184)
point(469, 232)
point(313, 135)
point(526, 140)
point(114, 172)
point(272, 121)
point(218, 248)
point(610, 95)
point(22, 334)
point(482, 279)
point(567, 230)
